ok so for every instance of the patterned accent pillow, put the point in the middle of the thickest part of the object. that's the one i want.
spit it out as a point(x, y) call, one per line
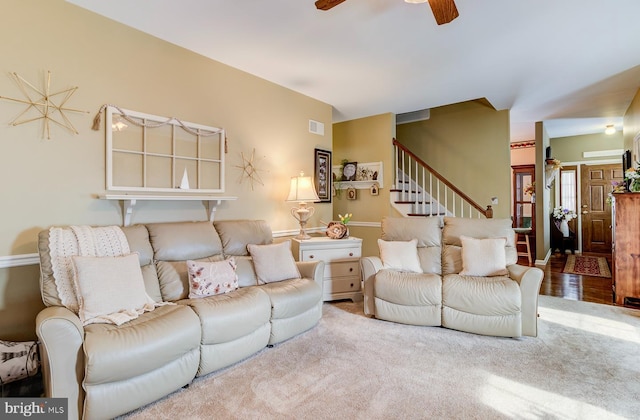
point(211, 278)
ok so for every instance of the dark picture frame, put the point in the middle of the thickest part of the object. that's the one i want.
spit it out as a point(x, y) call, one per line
point(322, 174)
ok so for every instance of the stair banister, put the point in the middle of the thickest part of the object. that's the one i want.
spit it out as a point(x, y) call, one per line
point(401, 152)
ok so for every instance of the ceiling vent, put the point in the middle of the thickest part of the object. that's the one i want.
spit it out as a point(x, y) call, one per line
point(409, 117)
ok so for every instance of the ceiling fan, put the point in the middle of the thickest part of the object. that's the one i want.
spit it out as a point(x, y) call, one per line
point(443, 10)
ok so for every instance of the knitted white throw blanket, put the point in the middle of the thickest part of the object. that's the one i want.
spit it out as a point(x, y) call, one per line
point(109, 241)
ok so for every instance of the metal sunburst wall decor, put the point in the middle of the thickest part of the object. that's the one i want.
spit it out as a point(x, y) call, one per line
point(43, 104)
point(249, 169)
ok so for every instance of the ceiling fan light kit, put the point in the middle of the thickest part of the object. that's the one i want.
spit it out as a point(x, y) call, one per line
point(443, 10)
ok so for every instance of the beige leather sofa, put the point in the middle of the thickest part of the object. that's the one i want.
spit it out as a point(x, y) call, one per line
point(503, 305)
point(107, 370)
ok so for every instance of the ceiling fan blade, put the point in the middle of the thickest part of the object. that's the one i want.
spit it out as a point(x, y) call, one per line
point(443, 10)
point(327, 4)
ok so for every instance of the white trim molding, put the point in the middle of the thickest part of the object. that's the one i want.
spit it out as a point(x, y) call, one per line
point(19, 260)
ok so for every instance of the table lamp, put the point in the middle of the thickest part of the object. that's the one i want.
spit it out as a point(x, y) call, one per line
point(301, 191)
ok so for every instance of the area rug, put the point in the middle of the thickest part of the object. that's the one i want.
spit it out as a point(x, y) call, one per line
point(583, 365)
point(587, 266)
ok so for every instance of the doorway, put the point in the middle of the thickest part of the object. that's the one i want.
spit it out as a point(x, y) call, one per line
point(595, 211)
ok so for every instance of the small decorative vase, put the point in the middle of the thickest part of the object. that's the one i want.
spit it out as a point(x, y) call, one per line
point(635, 185)
point(564, 228)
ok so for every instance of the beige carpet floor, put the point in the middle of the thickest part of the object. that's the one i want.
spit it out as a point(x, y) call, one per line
point(585, 364)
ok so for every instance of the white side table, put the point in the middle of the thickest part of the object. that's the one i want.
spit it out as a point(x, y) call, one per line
point(342, 264)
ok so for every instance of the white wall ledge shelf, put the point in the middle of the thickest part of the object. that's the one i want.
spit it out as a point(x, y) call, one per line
point(361, 184)
point(129, 201)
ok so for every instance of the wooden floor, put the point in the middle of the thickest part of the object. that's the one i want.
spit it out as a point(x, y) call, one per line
point(574, 286)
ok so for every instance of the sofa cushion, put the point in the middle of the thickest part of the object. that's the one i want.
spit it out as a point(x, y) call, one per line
point(428, 232)
point(455, 227)
point(400, 255)
point(211, 278)
point(183, 241)
point(110, 289)
point(273, 262)
point(487, 296)
point(153, 340)
point(227, 317)
point(237, 234)
point(290, 298)
point(410, 289)
point(483, 257)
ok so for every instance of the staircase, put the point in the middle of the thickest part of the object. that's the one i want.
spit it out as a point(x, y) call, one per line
point(420, 191)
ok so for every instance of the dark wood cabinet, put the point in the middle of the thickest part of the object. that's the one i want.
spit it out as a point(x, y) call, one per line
point(626, 249)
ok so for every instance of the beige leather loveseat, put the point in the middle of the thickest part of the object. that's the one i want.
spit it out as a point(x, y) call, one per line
point(106, 370)
point(439, 292)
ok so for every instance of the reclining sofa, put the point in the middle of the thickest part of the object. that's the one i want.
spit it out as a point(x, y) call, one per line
point(106, 370)
point(441, 288)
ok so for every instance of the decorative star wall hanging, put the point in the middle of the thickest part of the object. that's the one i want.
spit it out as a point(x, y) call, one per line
point(44, 105)
point(249, 169)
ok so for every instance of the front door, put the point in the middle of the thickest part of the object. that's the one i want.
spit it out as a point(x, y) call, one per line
point(595, 211)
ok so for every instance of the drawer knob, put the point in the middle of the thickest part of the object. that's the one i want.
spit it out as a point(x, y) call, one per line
point(311, 256)
point(351, 284)
point(351, 254)
point(350, 269)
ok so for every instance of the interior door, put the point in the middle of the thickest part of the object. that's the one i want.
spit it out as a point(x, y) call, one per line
point(595, 211)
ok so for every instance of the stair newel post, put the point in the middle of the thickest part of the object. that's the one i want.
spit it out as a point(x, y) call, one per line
point(489, 213)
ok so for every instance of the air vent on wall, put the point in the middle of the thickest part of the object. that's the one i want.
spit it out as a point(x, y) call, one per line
point(316, 127)
point(408, 117)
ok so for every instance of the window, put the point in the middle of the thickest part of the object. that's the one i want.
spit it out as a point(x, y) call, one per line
point(156, 154)
point(568, 189)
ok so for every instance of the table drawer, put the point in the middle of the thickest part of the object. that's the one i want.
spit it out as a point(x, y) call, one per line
point(342, 269)
point(330, 254)
point(342, 285)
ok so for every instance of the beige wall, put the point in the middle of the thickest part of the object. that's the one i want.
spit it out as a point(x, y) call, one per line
point(365, 140)
point(631, 124)
point(543, 194)
point(570, 149)
point(54, 182)
point(468, 143)
point(523, 156)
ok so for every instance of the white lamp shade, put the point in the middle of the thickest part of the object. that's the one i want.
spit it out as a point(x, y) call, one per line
point(302, 189)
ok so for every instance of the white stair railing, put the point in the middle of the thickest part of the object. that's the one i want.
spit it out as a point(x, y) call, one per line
point(428, 192)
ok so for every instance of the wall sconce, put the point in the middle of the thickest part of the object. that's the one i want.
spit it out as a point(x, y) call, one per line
point(611, 129)
point(302, 190)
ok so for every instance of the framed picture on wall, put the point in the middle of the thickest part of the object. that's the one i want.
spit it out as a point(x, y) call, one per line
point(322, 174)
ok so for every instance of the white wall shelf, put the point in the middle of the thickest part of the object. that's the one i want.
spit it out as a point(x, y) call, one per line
point(365, 170)
point(129, 201)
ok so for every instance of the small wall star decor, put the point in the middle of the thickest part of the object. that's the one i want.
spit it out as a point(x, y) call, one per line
point(249, 169)
point(48, 106)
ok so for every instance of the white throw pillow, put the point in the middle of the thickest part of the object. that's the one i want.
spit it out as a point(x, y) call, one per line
point(211, 278)
point(483, 257)
point(110, 289)
point(273, 262)
point(400, 255)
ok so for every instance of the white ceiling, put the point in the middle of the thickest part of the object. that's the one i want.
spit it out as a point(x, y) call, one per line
point(576, 62)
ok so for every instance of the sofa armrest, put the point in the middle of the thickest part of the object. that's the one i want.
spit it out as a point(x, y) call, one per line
point(529, 279)
point(313, 270)
point(369, 266)
point(61, 336)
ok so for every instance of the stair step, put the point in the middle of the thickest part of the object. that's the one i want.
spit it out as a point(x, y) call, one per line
point(405, 191)
point(411, 202)
point(426, 214)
